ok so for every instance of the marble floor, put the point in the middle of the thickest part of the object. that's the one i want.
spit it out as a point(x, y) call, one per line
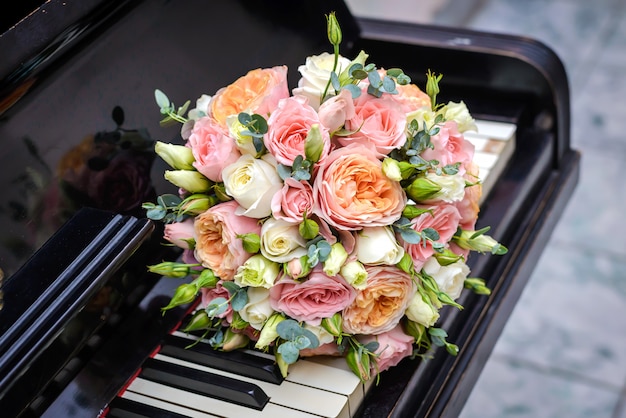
point(563, 351)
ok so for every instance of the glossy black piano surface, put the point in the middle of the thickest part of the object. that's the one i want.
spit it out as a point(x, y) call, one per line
point(77, 109)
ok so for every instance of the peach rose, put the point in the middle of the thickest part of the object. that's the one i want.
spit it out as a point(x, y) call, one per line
point(379, 122)
point(393, 346)
point(293, 201)
point(217, 245)
point(379, 307)
point(258, 91)
point(442, 218)
point(351, 192)
point(179, 233)
point(212, 148)
point(288, 128)
point(334, 112)
point(411, 98)
point(450, 147)
point(469, 206)
point(319, 296)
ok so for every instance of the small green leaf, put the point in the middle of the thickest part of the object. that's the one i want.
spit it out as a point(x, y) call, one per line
point(239, 300)
point(289, 352)
point(216, 307)
point(161, 99)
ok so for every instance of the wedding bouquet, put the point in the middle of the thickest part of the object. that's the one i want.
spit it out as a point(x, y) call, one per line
point(336, 219)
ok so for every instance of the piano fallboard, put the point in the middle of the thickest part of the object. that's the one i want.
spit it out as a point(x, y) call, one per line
point(78, 64)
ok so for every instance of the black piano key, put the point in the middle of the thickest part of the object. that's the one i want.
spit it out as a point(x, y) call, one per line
point(127, 408)
point(204, 383)
point(236, 362)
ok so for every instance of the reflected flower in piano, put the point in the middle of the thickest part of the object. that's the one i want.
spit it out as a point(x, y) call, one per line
point(343, 225)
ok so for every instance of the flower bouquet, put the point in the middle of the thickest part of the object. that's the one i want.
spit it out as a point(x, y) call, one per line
point(335, 219)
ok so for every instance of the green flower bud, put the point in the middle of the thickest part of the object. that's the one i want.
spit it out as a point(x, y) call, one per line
point(251, 242)
point(477, 286)
point(333, 29)
point(179, 157)
point(476, 241)
point(220, 193)
point(422, 189)
point(257, 271)
point(282, 364)
point(406, 169)
point(268, 332)
point(197, 204)
point(190, 180)
point(171, 269)
point(336, 259)
point(412, 211)
point(308, 229)
point(206, 279)
point(234, 340)
point(391, 169)
point(313, 144)
point(298, 268)
point(359, 362)
point(354, 272)
point(415, 330)
point(199, 321)
point(406, 264)
point(447, 257)
point(184, 294)
point(333, 325)
point(432, 87)
point(238, 322)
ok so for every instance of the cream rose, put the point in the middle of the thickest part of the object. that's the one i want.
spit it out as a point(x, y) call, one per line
point(378, 245)
point(421, 312)
point(281, 241)
point(459, 113)
point(257, 271)
point(450, 278)
point(258, 309)
point(252, 182)
point(315, 75)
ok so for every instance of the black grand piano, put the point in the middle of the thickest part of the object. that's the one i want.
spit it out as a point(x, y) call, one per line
point(79, 312)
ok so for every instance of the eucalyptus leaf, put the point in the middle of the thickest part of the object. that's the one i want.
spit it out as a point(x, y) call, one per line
point(239, 300)
point(355, 91)
point(169, 200)
point(289, 329)
point(232, 287)
point(156, 214)
point(216, 307)
point(289, 352)
point(161, 99)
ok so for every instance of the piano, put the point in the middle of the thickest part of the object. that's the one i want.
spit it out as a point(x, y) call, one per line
point(81, 331)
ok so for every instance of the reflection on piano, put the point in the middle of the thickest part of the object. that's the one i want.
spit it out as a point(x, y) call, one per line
point(81, 331)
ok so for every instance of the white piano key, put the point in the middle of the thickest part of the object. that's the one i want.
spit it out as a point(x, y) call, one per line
point(288, 394)
point(166, 406)
point(493, 129)
point(209, 405)
point(484, 160)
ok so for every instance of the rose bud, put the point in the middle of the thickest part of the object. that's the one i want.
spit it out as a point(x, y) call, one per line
point(422, 189)
point(415, 330)
point(391, 168)
point(406, 169)
point(172, 269)
point(477, 286)
point(412, 211)
point(197, 203)
point(268, 332)
point(199, 321)
point(333, 29)
point(179, 157)
point(251, 242)
point(333, 324)
point(447, 257)
point(313, 144)
point(476, 241)
point(406, 264)
point(359, 362)
point(335, 260)
point(298, 268)
point(206, 279)
point(185, 293)
point(234, 340)
point(354, 273)
point(190, 180)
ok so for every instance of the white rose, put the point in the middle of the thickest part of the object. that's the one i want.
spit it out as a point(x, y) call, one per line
point(378, 245)
point(257, 271)
point(258, 309)
point(450, 278)
point(354, 272)
point(252, 182)
point(421, 115)
point(459, 113)
point(315, 75)
point(322, 335)
point(452, 188)
point(281, 241)
point(422, 312)
point(201, 109)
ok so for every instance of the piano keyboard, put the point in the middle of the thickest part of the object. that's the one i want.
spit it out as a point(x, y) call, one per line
point(197, 381)
point(494, 145)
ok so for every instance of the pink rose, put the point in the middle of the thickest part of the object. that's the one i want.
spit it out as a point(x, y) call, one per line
point(208, 294)
point(319, 296)
point(379, 122)
point(258, 91)
point(334, 112)
point(217, 245)
point(351, 192)
point(393, 346)
point(442, 218)
point(288, 127)
point(450, 147)
point(380, 306)
point(293, 201)
point(179, 233)
point(212, 148)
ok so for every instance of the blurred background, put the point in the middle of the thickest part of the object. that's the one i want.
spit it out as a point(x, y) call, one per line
point(563, 351)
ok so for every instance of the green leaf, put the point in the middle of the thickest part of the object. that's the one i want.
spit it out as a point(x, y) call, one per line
point(301, 342)
point(289, 352)
point(334, 81)
point(183, 109)
point(244, 118)
point(355, 91)
point(239, 300)
point(169, 200)
point(161, 99)
point(430, 234)
point(389, 85)
point(232, 287)
point(216, 307)
point(289, 329)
